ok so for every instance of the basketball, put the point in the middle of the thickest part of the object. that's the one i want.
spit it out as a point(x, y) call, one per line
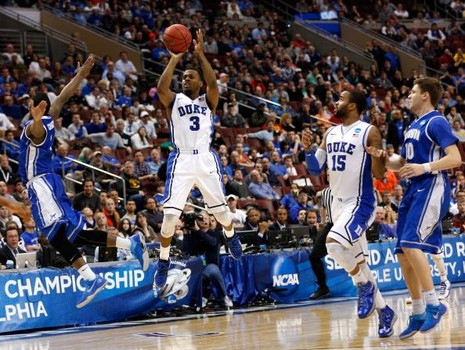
point(177, 38)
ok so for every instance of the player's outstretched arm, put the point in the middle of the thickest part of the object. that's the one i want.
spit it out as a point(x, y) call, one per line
point(213, 93)
point(163, 88)
point(70, 88)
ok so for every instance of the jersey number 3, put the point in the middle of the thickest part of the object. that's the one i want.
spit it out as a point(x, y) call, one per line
point(195, 123)
point(339, 162)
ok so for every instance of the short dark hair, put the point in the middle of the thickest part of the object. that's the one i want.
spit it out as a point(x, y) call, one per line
point(38, 98)
point(359, 98)
point(196, 68)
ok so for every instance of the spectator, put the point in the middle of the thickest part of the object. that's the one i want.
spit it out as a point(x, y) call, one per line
point(301, 204)
point(111, 214)
point(77, 129)
point(139, 139)
point(10, 55)
point(435, 34)
point(133, 184)
point(260, 189)
point(130, 212)
point(153, 214)
point(232, 119)
point(238, 187)
point(458, 131)
point(30, 236)
point(11, 247)
point(126, 66)
point(88, 198)
point(141, 168)
point(11, 109)
point(281, 221)
point(238, 216)
point(108, 138)
point(147, 230)
point(7, 175)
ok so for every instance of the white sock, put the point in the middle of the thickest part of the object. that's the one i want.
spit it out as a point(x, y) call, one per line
point(123, 243)
point(86, 272)
point(164, 253)
point(418, 306)
point(229, 233)
point(431, 298)
point(444, 278)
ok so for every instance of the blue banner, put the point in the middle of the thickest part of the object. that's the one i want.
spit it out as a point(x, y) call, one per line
point(385, 266)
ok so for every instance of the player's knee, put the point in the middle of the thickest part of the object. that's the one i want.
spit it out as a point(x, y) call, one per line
point(223, 217)
point(168, 225)
point(341, 255)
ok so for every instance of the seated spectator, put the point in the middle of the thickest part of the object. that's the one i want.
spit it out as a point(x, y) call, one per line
point(458, 131)
point(300, 204)
point(11, 247)
point(11, 148)
point(95, 125)
point(139, 139)
point(20, 193)
point(77, 128)
point(131, 125)
point(232, 119)
point(5, 123)
point(7, 175)
point(130, 212)
point(254, 222)
point(111, 214)
point(30, 236)
point(133, 184)
point(238, 187)
point(61, 164)
point(260, 189)
point(380, 227)
point(10, 55)
point(435, 34)
point(147, 122)
point(155, 160)
point(62, 134)
point(238, 216)
point(263, 135)
point(145, 228)
point(110, 161)
point(88, 198)
point(11, 109)
point(108, 138)
point(281, 221)
point(141, 168)
point(125, 65)
point(153, 213)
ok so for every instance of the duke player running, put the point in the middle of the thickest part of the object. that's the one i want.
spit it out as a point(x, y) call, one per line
point(192, 162)
point(51, 207)
point(346, 150)
point(429, 149)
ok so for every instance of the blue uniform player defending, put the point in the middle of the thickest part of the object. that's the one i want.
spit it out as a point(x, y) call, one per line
point(428, 150)
point(51, 208)
point(192, 162)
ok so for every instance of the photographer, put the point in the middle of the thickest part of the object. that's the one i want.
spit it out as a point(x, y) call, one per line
point(200, 240)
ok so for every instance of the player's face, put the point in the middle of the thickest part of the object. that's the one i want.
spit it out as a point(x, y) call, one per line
point(342, 104)
point(191, 82)
point(415, 99)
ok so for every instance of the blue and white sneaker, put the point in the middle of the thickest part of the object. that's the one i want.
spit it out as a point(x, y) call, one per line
point(366, 299)
point(139, 250)
point(161, 275)
point(433, 316)
point(414, 324)
point(387, 319)
point(92, 289)
point(234, 246)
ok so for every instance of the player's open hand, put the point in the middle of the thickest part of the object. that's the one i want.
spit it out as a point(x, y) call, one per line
point(411, 170)
point(198, 43)
point(307, 137)
point(84, 70)
point(38, 111)
point(376, 152)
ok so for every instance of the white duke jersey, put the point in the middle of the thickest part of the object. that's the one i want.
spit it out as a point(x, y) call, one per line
point(191, 123)
point(349, 165)
point(36, 160)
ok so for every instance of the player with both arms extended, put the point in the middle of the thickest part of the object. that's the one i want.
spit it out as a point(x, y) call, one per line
point(192, 162)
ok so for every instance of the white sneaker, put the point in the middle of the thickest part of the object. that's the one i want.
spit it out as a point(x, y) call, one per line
point(444, 292)
point(227, 302)
point(204, 302)
point(408, 300)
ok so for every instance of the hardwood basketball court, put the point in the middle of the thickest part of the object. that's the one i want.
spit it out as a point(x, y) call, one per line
point(331, 324)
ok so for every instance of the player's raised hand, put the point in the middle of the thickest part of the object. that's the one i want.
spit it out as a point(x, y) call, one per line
point(38, 111)
point(306, 139)
point(176, 56)
point(198, 43)
point(84, 70)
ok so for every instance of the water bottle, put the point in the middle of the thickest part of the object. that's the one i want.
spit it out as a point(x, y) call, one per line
point(10, 264)
point(382, 236)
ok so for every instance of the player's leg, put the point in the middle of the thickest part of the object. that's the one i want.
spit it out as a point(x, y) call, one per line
point(179, 182)
point(441, 266)
point(94, 283)
point(211, 187)
point(386, 316)
point(136, 243)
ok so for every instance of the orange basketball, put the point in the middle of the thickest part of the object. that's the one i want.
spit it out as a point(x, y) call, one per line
point(177, 38)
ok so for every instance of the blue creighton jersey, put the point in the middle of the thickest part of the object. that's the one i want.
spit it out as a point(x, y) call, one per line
point(36, 159)
point(425, 140)
point(191, 123)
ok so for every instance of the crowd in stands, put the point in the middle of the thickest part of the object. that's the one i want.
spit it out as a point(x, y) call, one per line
point(281, 84)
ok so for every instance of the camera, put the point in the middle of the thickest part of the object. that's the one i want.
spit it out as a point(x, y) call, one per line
point(189, 219)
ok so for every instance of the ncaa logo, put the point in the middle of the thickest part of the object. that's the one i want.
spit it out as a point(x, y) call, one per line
point(285, 276)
